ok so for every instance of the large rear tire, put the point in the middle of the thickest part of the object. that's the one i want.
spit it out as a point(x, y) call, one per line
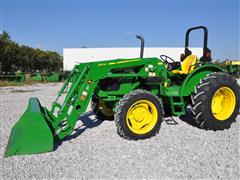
point(138, 115)
point(215, 103)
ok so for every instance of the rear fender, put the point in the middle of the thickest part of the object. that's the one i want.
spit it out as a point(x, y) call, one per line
point(193, 79)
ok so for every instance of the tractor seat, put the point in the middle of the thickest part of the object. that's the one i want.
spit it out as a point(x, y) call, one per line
point(187, 66)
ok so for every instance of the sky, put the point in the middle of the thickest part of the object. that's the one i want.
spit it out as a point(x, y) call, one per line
point(57, 24)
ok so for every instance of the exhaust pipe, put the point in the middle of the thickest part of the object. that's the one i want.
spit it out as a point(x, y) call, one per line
point(142, 45)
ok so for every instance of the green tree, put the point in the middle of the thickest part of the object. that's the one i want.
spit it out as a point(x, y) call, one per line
point(26, 58)
point(5, 41)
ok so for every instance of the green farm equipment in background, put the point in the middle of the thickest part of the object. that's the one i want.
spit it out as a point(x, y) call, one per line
point(20, 76)
point(17, 77)
point(36, 77)
point(137, 93)
point(233, 67)
point(46, 76)
point(53, 77)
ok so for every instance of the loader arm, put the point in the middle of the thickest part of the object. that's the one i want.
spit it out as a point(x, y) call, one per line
point(79, 87)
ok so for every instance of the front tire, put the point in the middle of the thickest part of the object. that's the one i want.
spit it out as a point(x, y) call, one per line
point(138, 115)
point(215, 103)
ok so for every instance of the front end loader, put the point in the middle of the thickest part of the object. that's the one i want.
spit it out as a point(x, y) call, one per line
point(137, 93)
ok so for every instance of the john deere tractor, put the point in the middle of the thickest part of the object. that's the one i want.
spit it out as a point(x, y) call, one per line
point(137, 94)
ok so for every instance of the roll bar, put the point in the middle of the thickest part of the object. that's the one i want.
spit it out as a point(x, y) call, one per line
point(205, 41)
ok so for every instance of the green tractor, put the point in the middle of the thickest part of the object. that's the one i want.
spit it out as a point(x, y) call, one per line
point(137, 94)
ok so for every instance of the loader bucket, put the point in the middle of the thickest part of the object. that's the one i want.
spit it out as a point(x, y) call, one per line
point(32, 133)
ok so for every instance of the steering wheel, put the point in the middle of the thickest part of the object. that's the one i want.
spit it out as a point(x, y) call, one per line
point(165, 58)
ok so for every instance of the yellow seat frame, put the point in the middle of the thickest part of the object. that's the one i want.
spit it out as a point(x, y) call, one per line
point(187, 65)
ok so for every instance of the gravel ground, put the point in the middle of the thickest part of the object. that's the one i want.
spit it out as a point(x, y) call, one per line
point(180, 150)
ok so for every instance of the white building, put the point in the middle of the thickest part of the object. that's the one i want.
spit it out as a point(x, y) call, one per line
point(72, 56)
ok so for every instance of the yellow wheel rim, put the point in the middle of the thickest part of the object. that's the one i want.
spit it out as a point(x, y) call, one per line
point(142, 116)
point(223, 103)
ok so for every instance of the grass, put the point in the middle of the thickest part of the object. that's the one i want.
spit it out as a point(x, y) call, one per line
point(14, 83)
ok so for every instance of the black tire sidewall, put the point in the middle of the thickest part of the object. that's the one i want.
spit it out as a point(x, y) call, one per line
point(222, 80)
